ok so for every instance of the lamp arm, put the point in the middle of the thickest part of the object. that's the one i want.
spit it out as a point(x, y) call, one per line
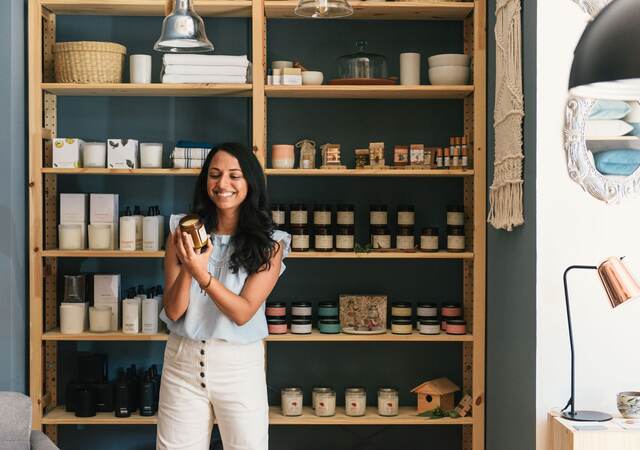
point(566, 299)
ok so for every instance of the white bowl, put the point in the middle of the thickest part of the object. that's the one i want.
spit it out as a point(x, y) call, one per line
point(449, 59)
point(312, 77)
point(449, 75)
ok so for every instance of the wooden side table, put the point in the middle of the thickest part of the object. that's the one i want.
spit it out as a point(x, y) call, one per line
point(616, 434)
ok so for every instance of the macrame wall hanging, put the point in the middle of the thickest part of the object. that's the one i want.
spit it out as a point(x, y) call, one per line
point(505, 197)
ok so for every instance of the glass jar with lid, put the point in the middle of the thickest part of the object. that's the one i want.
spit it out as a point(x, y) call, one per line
point(362, 64)
point(388, 401)
point(291, 400)
point(298, 215)
point(326, 403)
point(355, 401)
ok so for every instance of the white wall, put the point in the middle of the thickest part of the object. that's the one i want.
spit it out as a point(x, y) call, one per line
point(573, 228)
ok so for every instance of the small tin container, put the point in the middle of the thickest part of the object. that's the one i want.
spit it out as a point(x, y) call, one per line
point(427, 310)
point(401, 309)
point(277, 325)
point(456, 326)
point(429, 326)
point(329, 325)
point(276, 309)
point(328, 309)
point(303, 309)
point(301, 326)
point(401, 325)
point(451, 310)
point(192, 225)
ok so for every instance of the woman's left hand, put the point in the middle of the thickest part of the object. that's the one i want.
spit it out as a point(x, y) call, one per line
point(195, 262)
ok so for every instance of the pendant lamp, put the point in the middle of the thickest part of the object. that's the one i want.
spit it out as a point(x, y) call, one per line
point(183, 31)
point(323, 9)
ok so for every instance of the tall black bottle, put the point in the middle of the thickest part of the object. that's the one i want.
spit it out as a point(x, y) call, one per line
point(147, 396)
point(121, 394)
point(134, 387)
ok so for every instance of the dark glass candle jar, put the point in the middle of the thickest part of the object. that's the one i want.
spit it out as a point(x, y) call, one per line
point(429, 239)
point(405, 239)
point(345, 215)
point(299, 239)
point(380, 238)
point(322, 215)
point(378, 215)
point(406, 216)
point(298, 215)
point(278, 215)
point(323, 239)
point(345, 239)
point(455, 239)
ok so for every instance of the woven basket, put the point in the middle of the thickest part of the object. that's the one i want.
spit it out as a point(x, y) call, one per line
point(89, 62)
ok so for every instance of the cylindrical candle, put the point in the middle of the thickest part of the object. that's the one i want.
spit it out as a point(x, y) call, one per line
point(95, 154)
point(410, 69)
point(72, 318)
point(100, 236)
point(291, 399)
point(388, 402)
point(100, 319)
point(355, 401)
point(70, 237)
point(150, 155)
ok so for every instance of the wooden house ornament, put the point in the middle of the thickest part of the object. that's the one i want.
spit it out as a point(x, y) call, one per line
point(434, 394)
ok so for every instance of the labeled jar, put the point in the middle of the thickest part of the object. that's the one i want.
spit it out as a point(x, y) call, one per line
point(456, 326)
point(455, 239)
point(276, 309)
point(401, 309)
point(401, 325)
point(291, 399)
point(451, 310)
point(299, 239)
point(405, 239)
point(345, 238)
point(429, 326)
point(378, 215)
point(328, 309)
point(355, 401)
point(298, 215)
point(323, 239)
point(455, 215)
point(345, 214)
point(278, 215)
point(362, 158)
point(427, 310)
point(276, 325)
point(328, 325)
point(301, 309)
point(406, 216)
point(322, 215)
point(326, 404)
point(318, 390)
point(301, 326)
point(380, 238)
point(388, 402)
point(429, 239)
point(192, 225)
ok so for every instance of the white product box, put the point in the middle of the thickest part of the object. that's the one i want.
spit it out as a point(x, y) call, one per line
point(67, 152)
point(73, 208)
point(122, 154)
point(276, 78)
point(106, 287)
point(292, 76)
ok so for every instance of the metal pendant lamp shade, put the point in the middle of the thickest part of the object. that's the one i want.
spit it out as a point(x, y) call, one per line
point(323, 9)
point(618, 282)
point(183, 31)
point(605, 62)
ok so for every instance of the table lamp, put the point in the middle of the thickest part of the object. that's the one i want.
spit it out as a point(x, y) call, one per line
point(620, 287)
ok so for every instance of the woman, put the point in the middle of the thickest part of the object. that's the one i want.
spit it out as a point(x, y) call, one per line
point(214, 308)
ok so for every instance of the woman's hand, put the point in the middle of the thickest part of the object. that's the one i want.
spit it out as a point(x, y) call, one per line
point(195, 262)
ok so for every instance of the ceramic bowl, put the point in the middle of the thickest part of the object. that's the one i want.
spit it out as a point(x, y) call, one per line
point(281, 64)
point(629, 404)
point(312, 77)
point(449, 59)
point(449, 75)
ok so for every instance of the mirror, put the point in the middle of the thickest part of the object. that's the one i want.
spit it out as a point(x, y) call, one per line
point(602, 144)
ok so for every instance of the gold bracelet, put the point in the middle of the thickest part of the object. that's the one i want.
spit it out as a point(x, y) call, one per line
point(208, 284)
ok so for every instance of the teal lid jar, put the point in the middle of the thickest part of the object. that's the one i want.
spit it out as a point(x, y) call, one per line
point(328, 309)
point(329, 326)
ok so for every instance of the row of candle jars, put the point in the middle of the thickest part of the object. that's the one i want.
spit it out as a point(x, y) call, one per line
point(323, 401)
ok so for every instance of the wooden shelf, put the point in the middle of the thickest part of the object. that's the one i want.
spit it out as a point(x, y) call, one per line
point(100, 254)
point(407, 416)
point(205, 8)
point(369, 173)
point(148, 90)
point(315, 336)
point(378, 92)
point(142, 172)
point(292, 255)
point(411, 10)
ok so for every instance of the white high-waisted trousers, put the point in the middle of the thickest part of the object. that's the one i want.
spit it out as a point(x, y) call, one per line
point(203, 380)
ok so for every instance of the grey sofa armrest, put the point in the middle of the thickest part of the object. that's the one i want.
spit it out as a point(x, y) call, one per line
point(40, 441)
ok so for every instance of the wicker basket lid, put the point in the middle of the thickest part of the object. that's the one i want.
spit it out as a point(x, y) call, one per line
point(110, 47)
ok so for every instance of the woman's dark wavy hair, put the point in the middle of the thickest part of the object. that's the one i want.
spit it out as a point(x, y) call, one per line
point(252, 242)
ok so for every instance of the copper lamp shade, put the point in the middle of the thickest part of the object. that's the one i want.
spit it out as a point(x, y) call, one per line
point(618, 281)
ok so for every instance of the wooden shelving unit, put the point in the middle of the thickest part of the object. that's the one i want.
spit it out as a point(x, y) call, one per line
point(43, 254)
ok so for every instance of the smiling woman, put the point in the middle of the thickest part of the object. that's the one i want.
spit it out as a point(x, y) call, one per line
point(214, 308)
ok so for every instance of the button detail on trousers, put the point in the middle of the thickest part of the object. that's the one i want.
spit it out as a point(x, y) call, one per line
point(202, 374)
point(203, 385)
point(202, 352)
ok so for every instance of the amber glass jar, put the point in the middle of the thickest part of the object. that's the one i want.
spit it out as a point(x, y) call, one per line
point(345, 239)
point(323, 239)
point(192, 225)
point(299, 239)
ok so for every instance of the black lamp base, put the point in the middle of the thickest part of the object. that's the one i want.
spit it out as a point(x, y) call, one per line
point(587, 416)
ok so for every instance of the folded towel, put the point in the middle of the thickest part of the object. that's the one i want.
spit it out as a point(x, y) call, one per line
point(183, 163)
point(182, 69)
point(228, 79)
point(606, 128)
point(206, 60)
point(609, 110)
point(190, 153)
point(618, 161)
point(193, 144)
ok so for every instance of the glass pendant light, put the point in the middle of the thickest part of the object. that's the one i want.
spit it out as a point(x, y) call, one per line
point(183, 31)
point(323, 9)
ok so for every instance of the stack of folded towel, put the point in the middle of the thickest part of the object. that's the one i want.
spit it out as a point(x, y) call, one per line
point(190, 154)
point(185, 68)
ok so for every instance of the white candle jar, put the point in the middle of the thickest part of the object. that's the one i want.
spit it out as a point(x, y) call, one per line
point(150, 155)
point(99, 319)
point(387, 402)
point(100, 236)
point(326, 404)
point(70, 237)
point(95, 154)
point(355, 401)
point(73, 318)
point(291, 399)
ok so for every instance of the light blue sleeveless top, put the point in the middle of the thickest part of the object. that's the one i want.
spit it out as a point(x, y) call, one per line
point(203, 319)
